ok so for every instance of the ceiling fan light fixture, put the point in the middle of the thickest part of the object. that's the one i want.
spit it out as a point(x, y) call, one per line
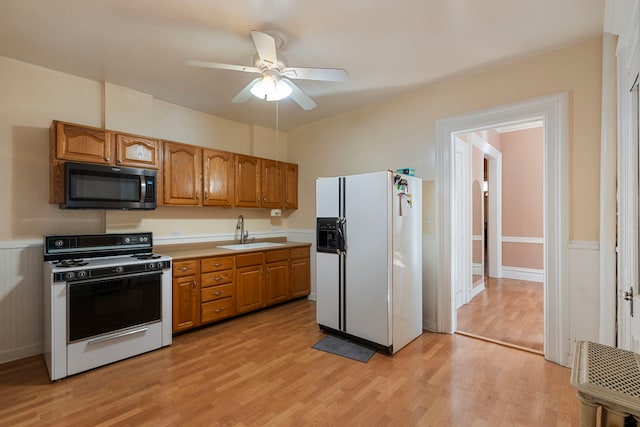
point(270, 88)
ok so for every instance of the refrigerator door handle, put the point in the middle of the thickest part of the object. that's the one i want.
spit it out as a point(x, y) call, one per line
point(342, 238)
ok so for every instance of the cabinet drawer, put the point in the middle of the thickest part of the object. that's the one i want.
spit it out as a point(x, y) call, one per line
point(278, 255)
point(215, 310)
point(216, 278)
point(216, 264)
point(300, 252)
point(185, 268)
point(216, 292)
point(245, 260)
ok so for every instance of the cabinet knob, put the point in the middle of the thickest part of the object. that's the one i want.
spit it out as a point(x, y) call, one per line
point(218, 293)
point(108, 159)
point(184, 268)
point(194, 284)
point(217, 264)
point(219, 310)
point(217, 278)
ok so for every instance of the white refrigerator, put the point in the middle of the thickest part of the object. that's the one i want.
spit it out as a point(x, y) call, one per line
point(369, 258)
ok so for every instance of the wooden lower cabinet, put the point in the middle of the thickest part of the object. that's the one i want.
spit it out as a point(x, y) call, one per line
point(277, 276)
point(214, 288)
point(249, 282)
point(186, 298)
point(300, 278)
point(217, 288)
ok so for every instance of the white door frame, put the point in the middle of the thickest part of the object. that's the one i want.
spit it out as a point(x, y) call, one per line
point(494, 238)
point(553, 110)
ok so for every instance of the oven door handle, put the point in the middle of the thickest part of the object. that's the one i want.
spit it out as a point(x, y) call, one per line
point(117, 335)
point(114, 276)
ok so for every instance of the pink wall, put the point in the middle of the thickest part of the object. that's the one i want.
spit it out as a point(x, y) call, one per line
point(522, 196)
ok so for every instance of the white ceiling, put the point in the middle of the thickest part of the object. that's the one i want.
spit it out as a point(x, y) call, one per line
point(387, 47)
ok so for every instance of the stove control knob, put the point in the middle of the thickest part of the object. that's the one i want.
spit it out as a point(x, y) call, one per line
point(143, 239)
point(152, 265)
point(82, 274)
point(70, 275)
point(127, 240)
point(119, 269)
point(59, 243)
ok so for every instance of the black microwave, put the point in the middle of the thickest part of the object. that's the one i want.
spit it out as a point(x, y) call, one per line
point(91, 186)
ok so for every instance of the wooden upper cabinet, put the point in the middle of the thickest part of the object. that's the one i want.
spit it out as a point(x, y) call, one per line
point(218, 178)
point(182, 174)
point(247, 181)
point(290, 186)
point(136, 151)
point(272, 184)
point(83, 144)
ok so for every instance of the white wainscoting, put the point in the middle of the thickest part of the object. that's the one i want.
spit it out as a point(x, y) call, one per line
point(21, 299)
point(21, 292)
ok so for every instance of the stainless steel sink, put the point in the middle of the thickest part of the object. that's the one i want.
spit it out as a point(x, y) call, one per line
point(256, 245)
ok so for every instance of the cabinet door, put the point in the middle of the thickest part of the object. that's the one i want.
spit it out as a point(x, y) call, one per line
point(291, 186)
point(186, 306)
point(299, 281)
point(218, 178)
point(272, 184)
point(136, 151)
point(83, 144)
point(182, 174)
point(276, 282)
point(247, 181)
point(249, 288)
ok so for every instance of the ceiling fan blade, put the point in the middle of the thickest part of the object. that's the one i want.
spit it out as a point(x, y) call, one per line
point(220, 66)
point(299, 96)
point(266, 47)
point(245, 93)
point(325, 74)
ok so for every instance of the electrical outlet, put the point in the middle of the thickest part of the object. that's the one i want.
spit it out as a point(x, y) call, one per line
point(429, 218)
point(175, 233)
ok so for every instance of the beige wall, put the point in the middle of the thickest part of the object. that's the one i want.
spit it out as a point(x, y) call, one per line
point(33, 96)
point(400, 132)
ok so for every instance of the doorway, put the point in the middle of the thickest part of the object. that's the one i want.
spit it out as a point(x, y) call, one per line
point(553, 111)
point(505, 303)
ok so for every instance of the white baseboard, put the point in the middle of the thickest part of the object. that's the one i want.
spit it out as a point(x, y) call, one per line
point(430, 326)
point(521, 273)
point(21, 352)
point(475, 291)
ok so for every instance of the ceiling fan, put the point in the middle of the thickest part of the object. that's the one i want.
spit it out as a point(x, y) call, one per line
point(275, 83)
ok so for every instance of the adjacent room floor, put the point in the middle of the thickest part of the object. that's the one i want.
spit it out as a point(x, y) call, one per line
point(509, 311)
point(260, 370)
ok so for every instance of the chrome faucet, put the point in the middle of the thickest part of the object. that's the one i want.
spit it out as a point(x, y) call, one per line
point(240, 226)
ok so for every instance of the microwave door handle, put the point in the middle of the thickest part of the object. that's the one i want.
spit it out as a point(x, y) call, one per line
point(143, 189)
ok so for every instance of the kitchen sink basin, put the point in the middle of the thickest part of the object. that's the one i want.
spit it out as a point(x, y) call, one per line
point(256, 245)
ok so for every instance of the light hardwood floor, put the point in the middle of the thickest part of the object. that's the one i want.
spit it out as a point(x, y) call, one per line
point(260, 370)
point(509, 311)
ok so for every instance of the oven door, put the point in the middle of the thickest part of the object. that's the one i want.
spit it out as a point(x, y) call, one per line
point(106, 305)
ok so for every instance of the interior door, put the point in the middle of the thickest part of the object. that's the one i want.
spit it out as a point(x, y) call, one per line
point(628, 282)
point(461, 229)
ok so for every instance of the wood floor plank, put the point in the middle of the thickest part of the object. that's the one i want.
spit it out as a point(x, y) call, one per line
point(508, 311)
point(260, 370)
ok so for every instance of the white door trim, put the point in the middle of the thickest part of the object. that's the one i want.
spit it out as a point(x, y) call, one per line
point(553, 109)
